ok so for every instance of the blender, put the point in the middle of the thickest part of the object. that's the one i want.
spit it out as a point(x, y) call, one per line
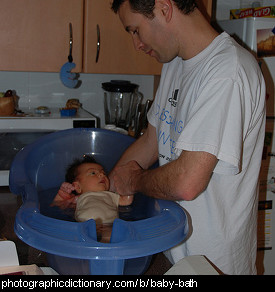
point(121, 105)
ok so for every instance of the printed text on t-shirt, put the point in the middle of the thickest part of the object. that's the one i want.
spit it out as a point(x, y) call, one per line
point(165, 116)
point(175, 126)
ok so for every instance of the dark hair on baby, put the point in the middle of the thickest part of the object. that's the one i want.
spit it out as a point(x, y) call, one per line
point(146, 7)
point(71, 173)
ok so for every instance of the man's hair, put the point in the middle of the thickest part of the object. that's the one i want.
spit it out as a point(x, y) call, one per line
point(146, 7)
point(71, 173)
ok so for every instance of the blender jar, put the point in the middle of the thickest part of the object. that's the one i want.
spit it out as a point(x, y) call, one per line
point(121, 99)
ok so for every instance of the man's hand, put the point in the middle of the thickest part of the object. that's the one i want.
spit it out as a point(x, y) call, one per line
point(125, 177)
point(64, 198)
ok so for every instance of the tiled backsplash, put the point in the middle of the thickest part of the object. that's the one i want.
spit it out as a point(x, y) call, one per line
point(45, 89)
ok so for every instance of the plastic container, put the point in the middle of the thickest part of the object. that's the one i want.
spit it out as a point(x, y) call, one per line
point(36, 173)
point(67, 112)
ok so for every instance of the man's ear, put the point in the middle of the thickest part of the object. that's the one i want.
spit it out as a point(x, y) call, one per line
point(166, 8)
point(77, 187)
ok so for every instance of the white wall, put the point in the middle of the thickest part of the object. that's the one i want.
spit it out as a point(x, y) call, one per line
point(36, 89)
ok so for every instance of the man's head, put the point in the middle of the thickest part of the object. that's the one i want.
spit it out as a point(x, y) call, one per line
point(146, 7)
point(155, 25)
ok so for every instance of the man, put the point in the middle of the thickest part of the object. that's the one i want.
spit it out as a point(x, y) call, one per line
point(206, 127)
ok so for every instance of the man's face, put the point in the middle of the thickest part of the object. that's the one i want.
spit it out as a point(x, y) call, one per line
point(149, 35)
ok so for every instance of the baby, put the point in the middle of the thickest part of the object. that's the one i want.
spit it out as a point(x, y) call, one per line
point(88, 180)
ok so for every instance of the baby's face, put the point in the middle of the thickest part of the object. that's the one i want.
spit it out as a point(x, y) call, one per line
point(91, 178)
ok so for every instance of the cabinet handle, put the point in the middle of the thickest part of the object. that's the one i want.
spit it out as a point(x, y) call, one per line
point(98, 43)
point(70, 57)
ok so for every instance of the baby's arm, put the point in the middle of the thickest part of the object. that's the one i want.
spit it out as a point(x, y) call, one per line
point(64, 198)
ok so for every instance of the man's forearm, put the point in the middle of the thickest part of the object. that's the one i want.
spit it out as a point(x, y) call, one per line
point(181, 179)
point(158, 183)
point(144, 150)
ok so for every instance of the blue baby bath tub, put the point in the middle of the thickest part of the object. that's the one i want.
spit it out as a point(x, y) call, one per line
point(72, 247)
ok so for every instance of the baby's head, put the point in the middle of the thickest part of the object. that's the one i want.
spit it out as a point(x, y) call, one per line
point(86, 175)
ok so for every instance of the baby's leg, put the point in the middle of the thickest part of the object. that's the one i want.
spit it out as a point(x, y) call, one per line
point(104, 232)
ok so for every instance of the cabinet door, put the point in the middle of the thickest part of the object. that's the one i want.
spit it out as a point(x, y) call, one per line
point(117, 54)
point(35, 34)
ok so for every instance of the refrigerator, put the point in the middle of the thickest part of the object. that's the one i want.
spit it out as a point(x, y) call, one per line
point(258, 36)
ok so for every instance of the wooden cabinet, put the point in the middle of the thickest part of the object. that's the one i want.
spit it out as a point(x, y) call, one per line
point(35, 34)
point(117, 53)
point(206, 7)
point(35, 37)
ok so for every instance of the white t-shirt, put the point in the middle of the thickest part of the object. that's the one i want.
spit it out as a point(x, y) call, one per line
point(100, 206)
point(215, 102)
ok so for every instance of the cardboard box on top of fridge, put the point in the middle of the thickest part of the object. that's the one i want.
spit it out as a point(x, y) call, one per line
point(268, 11)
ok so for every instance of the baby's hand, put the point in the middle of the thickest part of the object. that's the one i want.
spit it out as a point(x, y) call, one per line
point(126, 200)
point(64, 198)
point(66, 188)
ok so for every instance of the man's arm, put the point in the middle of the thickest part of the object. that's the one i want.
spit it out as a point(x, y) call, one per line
point(181, 179)
point(144, 151)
